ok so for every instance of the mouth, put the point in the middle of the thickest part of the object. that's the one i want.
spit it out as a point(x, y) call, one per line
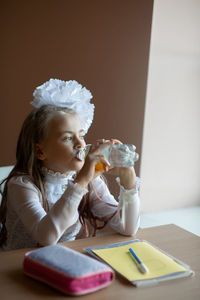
point(81, 153)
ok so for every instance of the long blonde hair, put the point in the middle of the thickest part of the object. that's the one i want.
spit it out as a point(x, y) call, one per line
point(34, 130)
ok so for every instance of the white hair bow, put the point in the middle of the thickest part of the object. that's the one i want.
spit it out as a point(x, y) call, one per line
point(68, 94)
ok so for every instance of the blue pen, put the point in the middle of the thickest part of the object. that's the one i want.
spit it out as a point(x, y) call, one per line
point(141, 267)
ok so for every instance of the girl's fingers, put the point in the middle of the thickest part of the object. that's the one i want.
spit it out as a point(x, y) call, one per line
point(116, 142)
point(96, 149)
point(102, 167)
point(104, 160)
point(102, 144)
point(101, 141)
point(99, 158)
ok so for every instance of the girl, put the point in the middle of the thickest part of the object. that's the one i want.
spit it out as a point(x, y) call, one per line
point(52, 193)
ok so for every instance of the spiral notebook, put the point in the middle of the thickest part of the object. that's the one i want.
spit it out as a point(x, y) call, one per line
point(161, 266)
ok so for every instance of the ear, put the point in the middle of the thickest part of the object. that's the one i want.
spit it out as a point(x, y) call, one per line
point(39, 152)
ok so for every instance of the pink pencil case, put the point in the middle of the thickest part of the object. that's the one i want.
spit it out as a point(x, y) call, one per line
point(67, 270)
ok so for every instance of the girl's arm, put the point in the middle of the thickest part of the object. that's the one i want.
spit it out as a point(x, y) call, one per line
point(126, 220)
point(45, 228)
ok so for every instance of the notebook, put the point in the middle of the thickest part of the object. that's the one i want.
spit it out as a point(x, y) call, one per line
point(161, 266)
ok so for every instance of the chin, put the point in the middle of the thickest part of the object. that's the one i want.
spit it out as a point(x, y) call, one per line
point(77, 169)
point(78, 166)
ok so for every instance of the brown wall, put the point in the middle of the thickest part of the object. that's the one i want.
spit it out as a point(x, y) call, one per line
point(102, 44)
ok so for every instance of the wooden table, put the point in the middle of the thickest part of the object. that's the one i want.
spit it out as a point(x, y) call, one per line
point(176, 241)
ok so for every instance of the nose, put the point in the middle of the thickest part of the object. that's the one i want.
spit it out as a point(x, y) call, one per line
point(79, 143)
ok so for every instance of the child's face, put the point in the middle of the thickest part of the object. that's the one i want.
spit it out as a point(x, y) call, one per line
point(65, 136)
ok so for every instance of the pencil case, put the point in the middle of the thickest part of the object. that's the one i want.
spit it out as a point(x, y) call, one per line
point(67, 270)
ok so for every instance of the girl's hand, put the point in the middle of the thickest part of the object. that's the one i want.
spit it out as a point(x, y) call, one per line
point(88, 172)
point(127, 178)
point(127, 175)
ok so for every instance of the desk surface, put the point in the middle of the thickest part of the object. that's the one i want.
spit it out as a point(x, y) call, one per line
point(176, 241)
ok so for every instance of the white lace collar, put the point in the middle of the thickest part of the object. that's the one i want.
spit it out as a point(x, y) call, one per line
point(57, 177)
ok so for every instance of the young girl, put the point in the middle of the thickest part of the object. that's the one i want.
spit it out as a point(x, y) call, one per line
point(52, 192)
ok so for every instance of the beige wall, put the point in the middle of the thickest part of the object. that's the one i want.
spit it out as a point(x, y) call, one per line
point(102, 44)
point(170, 168)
